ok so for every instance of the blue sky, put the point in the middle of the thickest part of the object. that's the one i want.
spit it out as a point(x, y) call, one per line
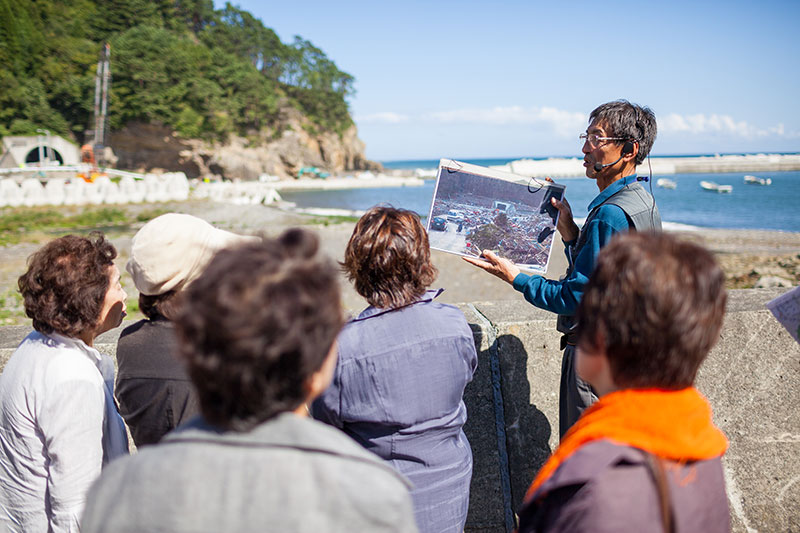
point(464, 79)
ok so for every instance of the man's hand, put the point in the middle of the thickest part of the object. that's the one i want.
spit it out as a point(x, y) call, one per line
point(500, 267)
point(566, 225)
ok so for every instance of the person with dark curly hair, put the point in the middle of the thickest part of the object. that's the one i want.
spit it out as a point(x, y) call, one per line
point(647, 456)
point(257, 330)
point(403, 365)
point(59, 424)
point(167, 254)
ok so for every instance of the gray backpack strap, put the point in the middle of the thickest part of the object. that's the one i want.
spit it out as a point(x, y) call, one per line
point(639, 207)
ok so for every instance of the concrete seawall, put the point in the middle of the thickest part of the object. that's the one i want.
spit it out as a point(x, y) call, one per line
point(752, 379)
point(664, 165)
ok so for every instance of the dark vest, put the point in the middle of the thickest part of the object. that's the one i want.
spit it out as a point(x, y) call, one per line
point(642, 215)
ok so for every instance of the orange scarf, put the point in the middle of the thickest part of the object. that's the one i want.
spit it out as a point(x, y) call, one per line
point(674, 425)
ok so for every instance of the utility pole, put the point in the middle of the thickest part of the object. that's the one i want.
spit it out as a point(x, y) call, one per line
point(102, 81)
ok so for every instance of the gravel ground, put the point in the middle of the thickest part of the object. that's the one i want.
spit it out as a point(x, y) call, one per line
point(745, 255)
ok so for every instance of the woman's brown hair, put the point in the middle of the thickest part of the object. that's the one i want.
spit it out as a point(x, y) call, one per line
point(66, 283)
point(388, 258)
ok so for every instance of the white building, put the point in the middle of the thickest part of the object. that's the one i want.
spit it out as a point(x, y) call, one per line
point(19, 150)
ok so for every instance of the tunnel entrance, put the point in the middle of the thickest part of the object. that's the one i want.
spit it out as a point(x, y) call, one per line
point(33, 155)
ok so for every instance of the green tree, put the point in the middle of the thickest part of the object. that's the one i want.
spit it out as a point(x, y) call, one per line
point(21, 38)
point(116, 16)
point(239, 33)
point(309, 68)
point(181, 63)
point(182, 15)
point(24, 107)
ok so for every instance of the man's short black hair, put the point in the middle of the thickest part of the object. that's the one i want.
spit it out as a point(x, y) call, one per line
point(630, 121)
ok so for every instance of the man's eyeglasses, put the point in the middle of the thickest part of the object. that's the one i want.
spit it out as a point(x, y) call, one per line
point(594, 139)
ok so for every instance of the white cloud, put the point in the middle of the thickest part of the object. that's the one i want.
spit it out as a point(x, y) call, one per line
point(558, 121)
point(700, 123)
point(563, 123)
point(384, 117)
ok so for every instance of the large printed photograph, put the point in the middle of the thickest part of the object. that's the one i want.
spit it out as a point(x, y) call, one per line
point(477, 208)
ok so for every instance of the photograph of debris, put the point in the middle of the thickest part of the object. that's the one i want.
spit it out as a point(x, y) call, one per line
point(477, 208)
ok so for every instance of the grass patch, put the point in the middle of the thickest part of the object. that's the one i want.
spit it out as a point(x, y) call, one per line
point(15, 224)
point(12, 311)
point(333, 219)
point(150, 214)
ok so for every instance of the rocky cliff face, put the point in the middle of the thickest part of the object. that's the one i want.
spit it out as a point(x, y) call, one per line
point(148, 147)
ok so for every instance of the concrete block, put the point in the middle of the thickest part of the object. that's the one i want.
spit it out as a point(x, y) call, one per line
point(132, 190)
point(75, 192)
point(271, 196)
point(32, 192)
point(752, 380)
point(530, 364)
point(96, 191)
point(486, 505)
point(219, 191)
point(54, 191)
point(177, 186)
point(113, 195)
point(156, 189)
point(201, 190)
point(10, 193)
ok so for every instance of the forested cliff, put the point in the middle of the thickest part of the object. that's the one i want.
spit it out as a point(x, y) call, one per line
point(193, 88)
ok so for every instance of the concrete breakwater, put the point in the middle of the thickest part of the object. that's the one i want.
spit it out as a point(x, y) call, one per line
point(151, 188)
point(663, 165)
point(751, 378)
point(257, 192)
point(156, 188)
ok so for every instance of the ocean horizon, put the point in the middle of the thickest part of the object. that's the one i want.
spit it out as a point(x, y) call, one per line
point(756, 207)
point(427, 164)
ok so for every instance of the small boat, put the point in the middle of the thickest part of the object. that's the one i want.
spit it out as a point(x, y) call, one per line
point(714, 187)
point(666, 183)
point(754, 180)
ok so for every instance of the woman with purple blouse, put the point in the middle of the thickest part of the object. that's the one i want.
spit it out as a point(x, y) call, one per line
point(403, 364)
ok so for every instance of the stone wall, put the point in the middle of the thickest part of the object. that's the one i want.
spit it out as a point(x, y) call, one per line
point(752, 379)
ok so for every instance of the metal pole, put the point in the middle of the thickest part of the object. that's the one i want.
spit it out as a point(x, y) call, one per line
point(39, 141)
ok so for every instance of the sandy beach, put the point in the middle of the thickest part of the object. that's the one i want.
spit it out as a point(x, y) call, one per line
point(745, 255)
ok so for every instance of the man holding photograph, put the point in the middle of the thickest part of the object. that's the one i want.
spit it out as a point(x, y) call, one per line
point(619, 137)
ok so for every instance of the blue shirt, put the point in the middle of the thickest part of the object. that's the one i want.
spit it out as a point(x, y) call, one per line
point(398, 390)
point(563, 296)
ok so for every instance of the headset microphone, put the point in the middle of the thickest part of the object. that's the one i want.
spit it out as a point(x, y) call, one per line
point(627, 148)
point(598, 167)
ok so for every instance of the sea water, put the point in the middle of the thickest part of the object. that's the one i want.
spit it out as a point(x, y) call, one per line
point(771, 207)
